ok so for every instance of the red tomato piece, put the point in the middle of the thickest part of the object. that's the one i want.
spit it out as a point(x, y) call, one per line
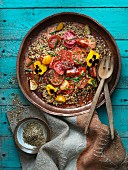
point(67, 64)
point(53, 61)
point(55, 78)
point(54, 41)
point(78, 55)
point(68, 45)
point(82, 42)
point(72, 72)
point(92, 71)
point(66, 59)
point(82, 83)
point(82, 71)
point(58, 68)
point(69, 39)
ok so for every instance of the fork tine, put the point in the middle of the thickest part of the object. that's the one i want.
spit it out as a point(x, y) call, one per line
point(104, 65)
point(109, 63)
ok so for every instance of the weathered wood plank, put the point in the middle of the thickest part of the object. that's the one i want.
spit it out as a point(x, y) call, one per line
point(8, 73)
point(119, 113)
point(120, 118)
point(9, 154)
point(7, 96)
point(63, 3)
point(17, 22)
point(10, 48)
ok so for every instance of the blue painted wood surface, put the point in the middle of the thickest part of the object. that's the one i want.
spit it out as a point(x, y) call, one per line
point(16, 18)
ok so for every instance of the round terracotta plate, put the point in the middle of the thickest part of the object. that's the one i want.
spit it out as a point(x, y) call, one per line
point(63, 17)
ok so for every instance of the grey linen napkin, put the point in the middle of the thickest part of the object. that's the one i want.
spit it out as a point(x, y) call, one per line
point(69, 148)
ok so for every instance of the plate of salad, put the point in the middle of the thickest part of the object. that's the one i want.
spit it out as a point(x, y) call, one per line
point(58, 60)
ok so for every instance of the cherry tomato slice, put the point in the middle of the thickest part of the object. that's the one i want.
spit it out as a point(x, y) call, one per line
point(82, 42)
point(82, 83)
point(69, 39)
point(53, 61)
point(78, 55)
point(92, 71)
point(68, 45)
point(72, 72)
point(54, 41)
point(55, 78)
point(66, 59)
point(58, 68)
point(82, 71)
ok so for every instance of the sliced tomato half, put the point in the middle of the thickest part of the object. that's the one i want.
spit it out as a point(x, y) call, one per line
point(54, 41)
point(82, 42)
point(53, 61)
point(82, 71)
point(69, 39)
point(55, 78)
point(78, 56)
point(72, 72)
point(66, 59)
point(58, 68)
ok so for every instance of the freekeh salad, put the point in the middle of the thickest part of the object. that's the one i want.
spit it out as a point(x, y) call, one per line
point(61, 64)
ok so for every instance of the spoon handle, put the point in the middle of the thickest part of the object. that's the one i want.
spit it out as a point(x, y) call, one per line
point(109, 109)
point(93, 105)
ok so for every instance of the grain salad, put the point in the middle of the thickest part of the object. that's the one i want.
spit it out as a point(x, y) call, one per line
point(61, 64)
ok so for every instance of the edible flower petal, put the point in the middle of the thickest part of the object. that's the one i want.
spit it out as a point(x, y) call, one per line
point(92, 82)
point(50, 89)
point(92, 58)
point(39, 68)
point(60, 98)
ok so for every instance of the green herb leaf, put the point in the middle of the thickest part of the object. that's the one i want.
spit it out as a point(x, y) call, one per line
point(52, 54)
point(77, 61)
point(76, 79)
point(30, 63)
point(53, 32)
point(28, 70)
point(56, 43)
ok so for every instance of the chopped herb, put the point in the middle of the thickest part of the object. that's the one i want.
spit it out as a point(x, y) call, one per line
point(82, 74)
point(52, 54)
point(30, 63)
point(56, 43)
point(53, 32)
point(43, 46)
point(76, 79)
point(77, 61)
point(28, 70)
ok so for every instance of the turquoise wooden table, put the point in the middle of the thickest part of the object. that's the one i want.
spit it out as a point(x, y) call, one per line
point(16, 18)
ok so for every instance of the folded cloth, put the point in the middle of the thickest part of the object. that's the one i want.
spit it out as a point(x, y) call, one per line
point(69, 148)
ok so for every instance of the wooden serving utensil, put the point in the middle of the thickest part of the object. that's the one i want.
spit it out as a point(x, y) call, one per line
point(105, 71)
